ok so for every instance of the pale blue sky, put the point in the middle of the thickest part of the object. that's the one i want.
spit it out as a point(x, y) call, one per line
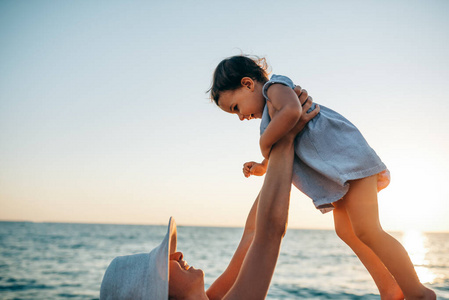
point(104, 116)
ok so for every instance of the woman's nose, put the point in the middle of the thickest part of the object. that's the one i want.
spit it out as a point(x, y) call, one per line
point(177, 256)
point(241, 117)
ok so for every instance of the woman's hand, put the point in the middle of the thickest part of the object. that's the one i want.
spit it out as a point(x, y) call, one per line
point(302, 94)
point(306, 103)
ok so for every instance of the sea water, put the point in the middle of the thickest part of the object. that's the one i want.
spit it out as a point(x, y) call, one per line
point(67, 261)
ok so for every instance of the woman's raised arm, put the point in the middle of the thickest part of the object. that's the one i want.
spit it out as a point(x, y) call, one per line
point(254, 278)
point(249, 273)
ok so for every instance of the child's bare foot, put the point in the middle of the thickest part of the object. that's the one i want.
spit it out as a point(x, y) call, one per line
point(426, 294)
point(429, 294)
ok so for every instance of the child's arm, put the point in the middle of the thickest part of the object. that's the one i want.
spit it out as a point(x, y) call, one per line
point(286, 113)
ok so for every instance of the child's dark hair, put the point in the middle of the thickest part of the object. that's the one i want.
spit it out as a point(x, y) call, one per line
point(230, 71)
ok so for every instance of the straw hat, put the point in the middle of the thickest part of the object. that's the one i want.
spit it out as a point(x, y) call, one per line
point(141, 276)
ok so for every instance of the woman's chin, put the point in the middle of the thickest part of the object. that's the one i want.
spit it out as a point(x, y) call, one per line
point(197, 271)
point(199, 278)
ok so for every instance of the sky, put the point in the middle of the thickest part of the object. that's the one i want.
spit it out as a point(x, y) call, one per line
point(104, 116)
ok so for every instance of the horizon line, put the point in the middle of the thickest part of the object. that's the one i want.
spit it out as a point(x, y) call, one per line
point(182, 225)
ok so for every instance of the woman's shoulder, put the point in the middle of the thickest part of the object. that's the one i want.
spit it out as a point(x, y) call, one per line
point(277, 79)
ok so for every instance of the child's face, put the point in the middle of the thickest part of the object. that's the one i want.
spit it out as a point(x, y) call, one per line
point(247, 102)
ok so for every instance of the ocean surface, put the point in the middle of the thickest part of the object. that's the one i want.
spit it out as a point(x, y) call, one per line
point(67, 261)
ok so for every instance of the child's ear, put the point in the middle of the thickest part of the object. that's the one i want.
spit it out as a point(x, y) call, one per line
point(248, 83)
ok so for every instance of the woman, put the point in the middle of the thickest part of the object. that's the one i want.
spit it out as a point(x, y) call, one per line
point(163, 274)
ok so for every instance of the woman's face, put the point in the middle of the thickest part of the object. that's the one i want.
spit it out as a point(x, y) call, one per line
point(184, 279)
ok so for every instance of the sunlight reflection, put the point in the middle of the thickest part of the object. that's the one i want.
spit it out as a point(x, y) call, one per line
point(414, 243)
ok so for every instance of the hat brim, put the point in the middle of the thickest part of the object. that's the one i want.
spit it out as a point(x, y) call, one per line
point(159, 263)
point(141, 276)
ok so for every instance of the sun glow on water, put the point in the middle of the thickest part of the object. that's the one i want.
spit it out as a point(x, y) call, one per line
point(415, 243)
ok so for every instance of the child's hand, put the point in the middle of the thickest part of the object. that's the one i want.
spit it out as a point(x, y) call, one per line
point(253, 168)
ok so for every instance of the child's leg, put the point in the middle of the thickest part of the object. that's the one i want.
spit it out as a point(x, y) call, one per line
point(388, 288)
point(361, 205)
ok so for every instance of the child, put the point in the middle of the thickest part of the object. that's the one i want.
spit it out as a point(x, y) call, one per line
point(334, 166)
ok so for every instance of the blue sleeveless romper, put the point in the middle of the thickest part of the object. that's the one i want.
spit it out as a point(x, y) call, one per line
point(330, 151)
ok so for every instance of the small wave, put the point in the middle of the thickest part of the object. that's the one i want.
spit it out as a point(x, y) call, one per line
point(24, 287)
point(70, 285)
point(65, 295)
point(431, 266)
